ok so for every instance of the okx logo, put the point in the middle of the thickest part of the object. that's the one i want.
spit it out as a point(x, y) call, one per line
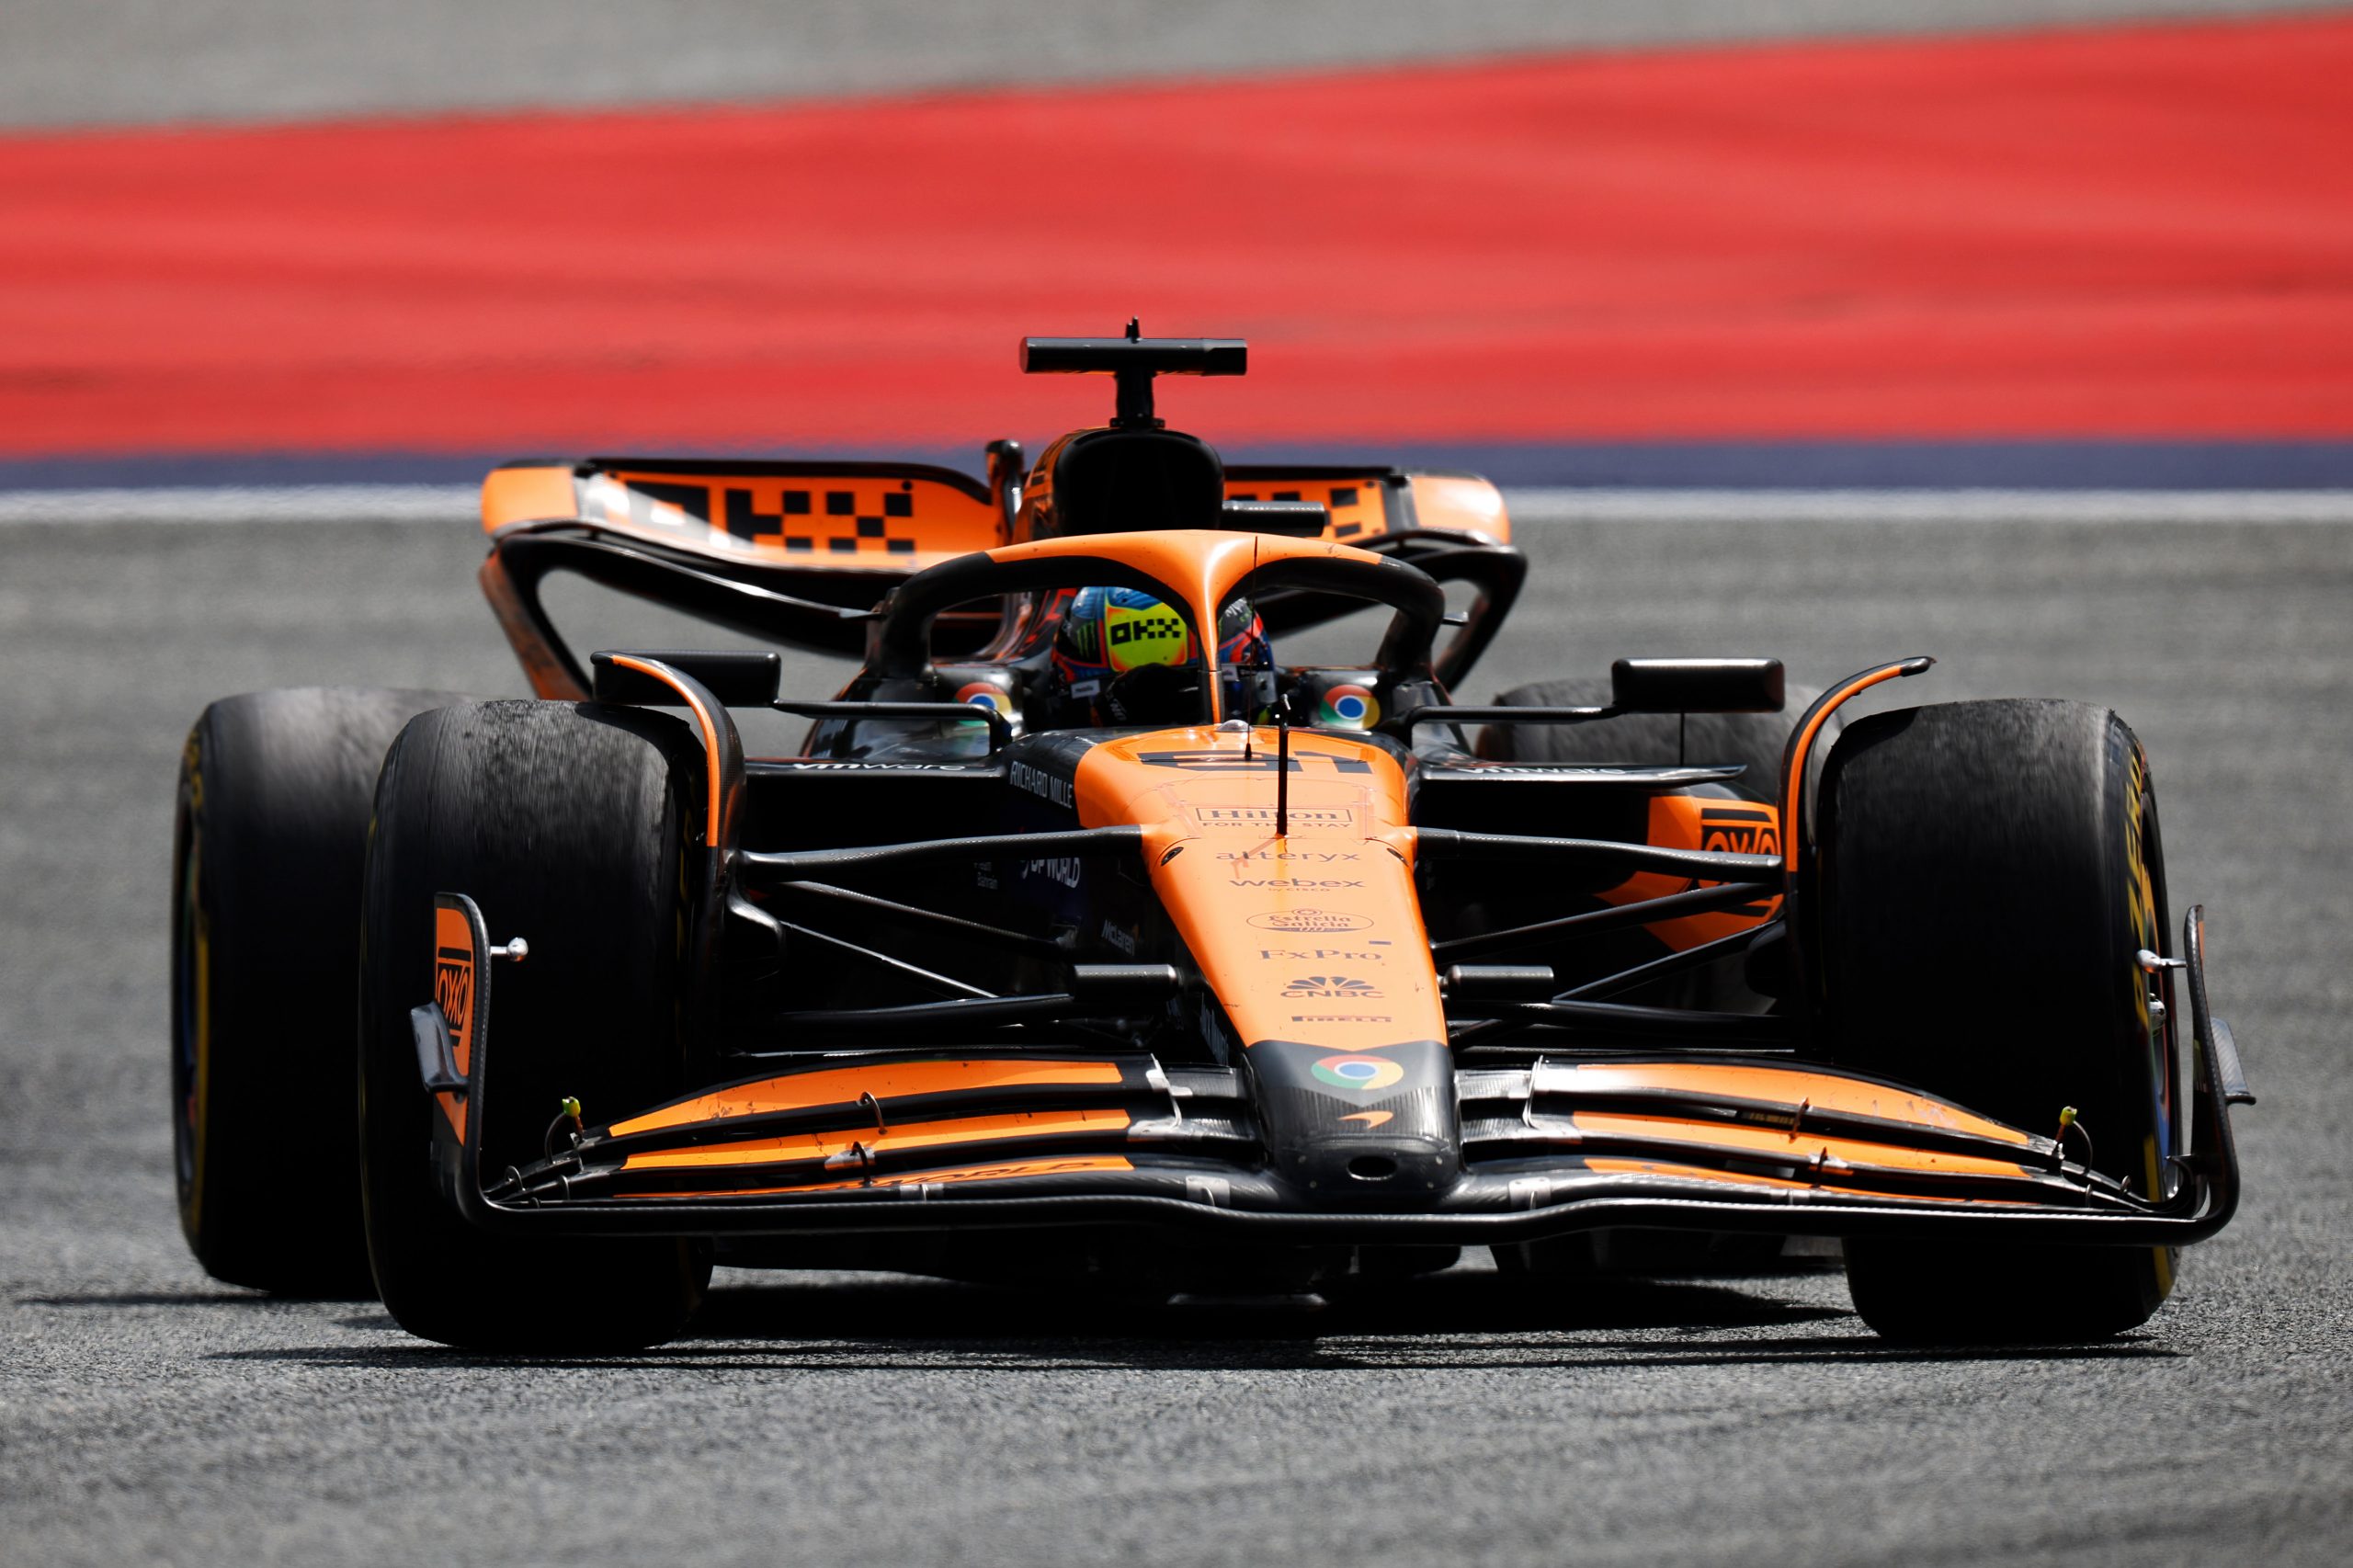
point(1335, 986)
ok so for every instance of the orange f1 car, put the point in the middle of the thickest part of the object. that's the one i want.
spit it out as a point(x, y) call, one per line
point(1084, 938)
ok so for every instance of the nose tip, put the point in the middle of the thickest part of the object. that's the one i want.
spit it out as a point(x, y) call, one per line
point(1372, 1167)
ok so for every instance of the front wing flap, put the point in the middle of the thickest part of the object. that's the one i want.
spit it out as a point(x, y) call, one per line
point(1026, 1138)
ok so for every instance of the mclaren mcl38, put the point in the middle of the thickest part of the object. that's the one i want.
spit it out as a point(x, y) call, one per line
point(1084, 937)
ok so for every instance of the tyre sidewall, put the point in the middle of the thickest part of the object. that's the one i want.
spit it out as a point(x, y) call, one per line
point(568, 824)
point(269, 832)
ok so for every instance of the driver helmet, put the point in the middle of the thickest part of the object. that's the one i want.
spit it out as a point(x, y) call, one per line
point(1131, 659)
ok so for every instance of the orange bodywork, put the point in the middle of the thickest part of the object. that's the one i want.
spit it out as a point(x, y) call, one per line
point(1002, 1170)
point(707, 727)
point(1315, 937)
point(1200, 567)
point(1713, 823)
point(917, 1135)
point(1820, 1091)
point(856, 521)
point(1672, 1171)
point(1459, 501)
point(845, 522)
point(1714, 1133)
point(454, 991)
point(843, 1086)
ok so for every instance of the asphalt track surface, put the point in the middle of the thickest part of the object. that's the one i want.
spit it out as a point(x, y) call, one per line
point(85, 61)
point(147, 1415)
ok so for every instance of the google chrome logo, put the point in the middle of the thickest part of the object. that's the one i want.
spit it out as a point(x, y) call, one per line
point(1365, 1073)
point(1350, 708)
point(984, 694)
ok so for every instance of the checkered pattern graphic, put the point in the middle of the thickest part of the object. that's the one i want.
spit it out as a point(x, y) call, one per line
point(841, 521)
point(803, 515)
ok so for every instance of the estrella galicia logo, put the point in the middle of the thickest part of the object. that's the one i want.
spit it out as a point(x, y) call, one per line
point(1339, 986)
point(1309, 920)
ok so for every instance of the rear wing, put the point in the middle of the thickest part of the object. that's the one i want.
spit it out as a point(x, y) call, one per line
point(843, 516)
point(794, 553)
point(859, 516)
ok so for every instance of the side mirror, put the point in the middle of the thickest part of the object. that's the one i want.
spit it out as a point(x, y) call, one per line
point(1696, 685)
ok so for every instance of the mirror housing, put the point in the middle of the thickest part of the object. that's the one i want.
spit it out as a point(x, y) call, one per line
point(1696, 685)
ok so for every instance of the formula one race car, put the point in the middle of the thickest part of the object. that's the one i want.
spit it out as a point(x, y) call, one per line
point(1085, 939)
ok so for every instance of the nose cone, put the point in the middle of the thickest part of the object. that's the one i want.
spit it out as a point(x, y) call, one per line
point(1303, 918)
point(1375, 1126)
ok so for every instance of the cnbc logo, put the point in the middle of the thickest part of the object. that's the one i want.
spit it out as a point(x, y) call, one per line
point(1338, 986)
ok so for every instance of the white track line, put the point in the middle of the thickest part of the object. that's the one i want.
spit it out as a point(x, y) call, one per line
point(458, 502)
point(1630, 506)
point(246, 504)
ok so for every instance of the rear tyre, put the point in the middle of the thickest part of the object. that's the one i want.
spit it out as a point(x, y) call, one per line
point(268, 836)
point(1989, 870)
point(569, 825)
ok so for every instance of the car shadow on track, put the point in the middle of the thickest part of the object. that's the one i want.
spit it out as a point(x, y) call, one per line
point(222, 1296)
point(1462, 1322)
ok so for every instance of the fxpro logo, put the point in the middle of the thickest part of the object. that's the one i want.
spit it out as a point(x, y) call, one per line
point(1321, 955)
point(1341, 986)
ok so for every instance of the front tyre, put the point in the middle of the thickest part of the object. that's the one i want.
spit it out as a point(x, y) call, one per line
point(569, 825)
point(1989, 872)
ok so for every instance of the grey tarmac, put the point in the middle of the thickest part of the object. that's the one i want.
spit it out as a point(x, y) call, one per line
point(144, 61)
point(148, 1416)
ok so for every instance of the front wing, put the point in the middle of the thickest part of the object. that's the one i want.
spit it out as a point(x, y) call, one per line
point(943, 1140)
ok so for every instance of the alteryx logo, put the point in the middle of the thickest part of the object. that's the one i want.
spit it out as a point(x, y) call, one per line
point(1335, 985)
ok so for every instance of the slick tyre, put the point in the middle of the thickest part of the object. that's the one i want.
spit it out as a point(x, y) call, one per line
point(268, 836)
point(568, 824)
point(1988, 872)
